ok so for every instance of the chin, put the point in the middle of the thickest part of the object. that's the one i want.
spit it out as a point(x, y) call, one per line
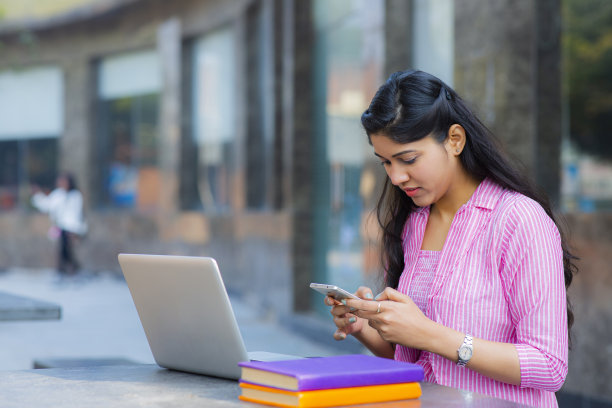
point(420, 201)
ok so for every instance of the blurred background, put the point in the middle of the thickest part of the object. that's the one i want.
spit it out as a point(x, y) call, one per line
point(231, 129)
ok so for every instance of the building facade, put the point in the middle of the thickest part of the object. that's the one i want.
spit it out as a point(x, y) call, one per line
point(231, 129)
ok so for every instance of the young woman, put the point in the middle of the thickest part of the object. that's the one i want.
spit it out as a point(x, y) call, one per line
point(476, 268)
point(65, 208)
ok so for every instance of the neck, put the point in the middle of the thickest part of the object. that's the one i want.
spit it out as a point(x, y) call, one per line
point(460, 191)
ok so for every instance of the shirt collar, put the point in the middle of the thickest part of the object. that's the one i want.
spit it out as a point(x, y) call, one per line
point(485, 196)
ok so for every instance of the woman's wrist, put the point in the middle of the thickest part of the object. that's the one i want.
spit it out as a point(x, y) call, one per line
point(371, 339)
point(443, 341)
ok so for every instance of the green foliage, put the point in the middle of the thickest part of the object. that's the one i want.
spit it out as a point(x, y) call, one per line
point(587, 45)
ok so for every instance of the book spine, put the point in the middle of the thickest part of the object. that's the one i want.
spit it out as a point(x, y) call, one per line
point(306, 383)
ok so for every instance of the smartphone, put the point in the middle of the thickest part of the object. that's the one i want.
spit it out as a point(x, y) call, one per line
point(333, 291)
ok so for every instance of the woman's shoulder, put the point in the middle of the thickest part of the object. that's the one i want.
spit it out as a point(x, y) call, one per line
point(515, 203)
point(518, 211)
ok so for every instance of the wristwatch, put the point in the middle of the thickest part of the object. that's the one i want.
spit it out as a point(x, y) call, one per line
point(465, 351)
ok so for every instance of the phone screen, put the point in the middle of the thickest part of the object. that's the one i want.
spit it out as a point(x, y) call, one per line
point(333, 291)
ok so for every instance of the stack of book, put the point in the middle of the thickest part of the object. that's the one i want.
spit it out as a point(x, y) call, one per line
point(329, 381)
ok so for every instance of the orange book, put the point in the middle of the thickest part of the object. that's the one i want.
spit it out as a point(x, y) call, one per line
point(329, 397)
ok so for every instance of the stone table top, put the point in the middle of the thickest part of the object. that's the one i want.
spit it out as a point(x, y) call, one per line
point(148, 385)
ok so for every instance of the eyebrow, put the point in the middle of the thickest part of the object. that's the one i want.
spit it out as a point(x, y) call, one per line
point(396, 154)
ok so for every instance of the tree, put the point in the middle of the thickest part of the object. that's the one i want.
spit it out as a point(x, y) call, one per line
point(587, 45)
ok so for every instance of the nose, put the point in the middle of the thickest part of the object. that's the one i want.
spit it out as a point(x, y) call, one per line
point(397, 175)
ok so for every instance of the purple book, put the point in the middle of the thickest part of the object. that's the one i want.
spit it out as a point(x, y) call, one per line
point(352, 370)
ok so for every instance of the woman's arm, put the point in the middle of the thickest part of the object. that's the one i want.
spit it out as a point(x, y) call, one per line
point(40, 201)
point(533, 276)
point(400, 321)
point(47, 203)
point(493, 359)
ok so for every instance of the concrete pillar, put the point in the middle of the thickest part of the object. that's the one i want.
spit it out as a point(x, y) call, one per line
point(508, 68)
point(169, 49)
point(75, 144)
point(302, 183)
point(283, 108)
point(398, 36)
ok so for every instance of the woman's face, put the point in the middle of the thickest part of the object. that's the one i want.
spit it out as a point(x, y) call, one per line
point(62, 182)
point(424, 169)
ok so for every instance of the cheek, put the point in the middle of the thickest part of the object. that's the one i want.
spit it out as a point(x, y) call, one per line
point(434, 176)
point(439, 165)
point(431, 172)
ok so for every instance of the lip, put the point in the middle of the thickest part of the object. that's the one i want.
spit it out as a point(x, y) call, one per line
point(412, 191)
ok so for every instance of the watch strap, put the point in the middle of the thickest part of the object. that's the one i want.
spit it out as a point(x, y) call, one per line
point(467, 344)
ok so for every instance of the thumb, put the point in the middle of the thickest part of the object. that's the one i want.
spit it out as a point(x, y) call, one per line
point(391, 294)
point(339, 335)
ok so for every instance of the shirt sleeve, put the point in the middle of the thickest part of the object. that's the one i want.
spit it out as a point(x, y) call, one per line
point(532, 268)
point(47, 203)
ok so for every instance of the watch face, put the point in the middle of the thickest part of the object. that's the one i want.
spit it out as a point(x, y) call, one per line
point(465, 353)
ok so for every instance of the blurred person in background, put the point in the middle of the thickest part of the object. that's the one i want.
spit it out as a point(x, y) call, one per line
point(65, 208)
point(476, 268)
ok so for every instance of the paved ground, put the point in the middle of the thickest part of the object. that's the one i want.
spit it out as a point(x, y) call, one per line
point(99, 321)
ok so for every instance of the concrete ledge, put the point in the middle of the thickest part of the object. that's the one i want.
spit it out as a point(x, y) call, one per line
point(14, 307)
point(80, 362)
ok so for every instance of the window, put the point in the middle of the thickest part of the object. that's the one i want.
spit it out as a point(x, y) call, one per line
point(128, 111)
point(31, 120)
point(348, 70)
point(208, 148)
point(24, 163)
point(586, 153)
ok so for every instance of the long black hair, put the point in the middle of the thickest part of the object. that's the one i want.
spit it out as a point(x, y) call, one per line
point(70, 180)
point(411, 105)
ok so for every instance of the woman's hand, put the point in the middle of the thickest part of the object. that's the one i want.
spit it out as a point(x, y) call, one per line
point(395, 317)
point(344, 319)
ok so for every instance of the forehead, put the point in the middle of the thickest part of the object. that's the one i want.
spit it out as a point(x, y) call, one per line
point(385, 145)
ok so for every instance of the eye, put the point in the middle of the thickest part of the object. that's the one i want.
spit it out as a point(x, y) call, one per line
point(384, 163)
point(410, 161)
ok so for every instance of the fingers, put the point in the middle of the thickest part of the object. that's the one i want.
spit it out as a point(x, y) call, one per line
point(343, 323)
point(363, 305)
point(390, 294)
point(368, 308)
point(373, 311)
point(344, 320)
point(330, 301)
point(339, 310)
point(365, 293)
point(346, 324)
point(367, 305)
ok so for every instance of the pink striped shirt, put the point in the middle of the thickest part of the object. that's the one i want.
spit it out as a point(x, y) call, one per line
point(499, 278)
point(421, 281)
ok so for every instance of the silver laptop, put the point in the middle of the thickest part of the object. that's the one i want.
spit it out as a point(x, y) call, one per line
point(186, 314)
